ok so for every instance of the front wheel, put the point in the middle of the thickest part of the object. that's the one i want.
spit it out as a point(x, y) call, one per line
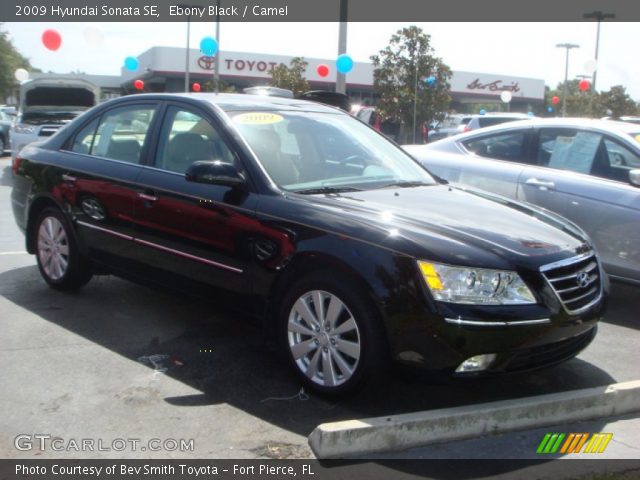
point(332, 335)
point(59, 261)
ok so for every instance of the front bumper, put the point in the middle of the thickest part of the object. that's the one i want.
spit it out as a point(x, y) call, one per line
point(527, 337)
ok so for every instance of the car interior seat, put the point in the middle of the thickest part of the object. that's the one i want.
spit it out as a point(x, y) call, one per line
point(280, 168)
point(184, 149)
point(125, 150)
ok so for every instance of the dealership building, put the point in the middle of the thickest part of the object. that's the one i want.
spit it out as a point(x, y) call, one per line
point(163, 70)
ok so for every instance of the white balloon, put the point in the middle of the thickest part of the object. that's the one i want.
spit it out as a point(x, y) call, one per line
point(94, 35)
point(21, 75)
point(590, 66)
point(505, 96)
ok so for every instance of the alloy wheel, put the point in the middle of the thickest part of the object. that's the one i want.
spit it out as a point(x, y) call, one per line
point(53, 248)
point(324, 339)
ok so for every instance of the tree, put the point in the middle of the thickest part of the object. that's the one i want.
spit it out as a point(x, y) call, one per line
point(223, 87)
point(614, 103)
point(400, 75)
point(617, 102)
point(291, 77)
point(10, 61)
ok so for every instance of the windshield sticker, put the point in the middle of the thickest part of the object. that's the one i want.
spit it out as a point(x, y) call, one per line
point(257, 118)
point(638, 137)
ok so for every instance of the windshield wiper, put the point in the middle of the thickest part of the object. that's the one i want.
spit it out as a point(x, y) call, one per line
point(407, 184)
point(316, 190)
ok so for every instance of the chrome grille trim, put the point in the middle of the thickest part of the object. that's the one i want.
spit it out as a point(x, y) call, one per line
point(556, 273)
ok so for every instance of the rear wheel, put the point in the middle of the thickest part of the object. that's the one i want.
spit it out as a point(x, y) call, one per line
point(332, 334)
point(59, 261)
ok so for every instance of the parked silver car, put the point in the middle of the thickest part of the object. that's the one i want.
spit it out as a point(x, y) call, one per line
point(586, 170)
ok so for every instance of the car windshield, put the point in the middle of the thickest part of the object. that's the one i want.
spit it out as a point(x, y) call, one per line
point(325, 152)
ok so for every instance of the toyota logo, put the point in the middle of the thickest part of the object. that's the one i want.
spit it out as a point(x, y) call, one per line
point(206, 62)
point(582, 279)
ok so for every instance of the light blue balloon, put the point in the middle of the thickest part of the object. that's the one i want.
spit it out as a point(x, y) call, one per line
point(209, 46)
point(483, 111)
point(530, 114)
point(131, 64)
point(430, 80)
point(550, 109)
point(344, 63)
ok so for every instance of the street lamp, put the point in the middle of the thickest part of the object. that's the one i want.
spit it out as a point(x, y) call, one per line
point(216, 60)
point(568, 46)
point(187, 60)
point(599, 16)
point(341, 80)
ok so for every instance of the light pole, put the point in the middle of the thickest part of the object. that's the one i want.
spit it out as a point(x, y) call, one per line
point(568, 46)
point(187, 60)
point(599, 16)
point(341, 81)
point(216, 60)
point(415, 102)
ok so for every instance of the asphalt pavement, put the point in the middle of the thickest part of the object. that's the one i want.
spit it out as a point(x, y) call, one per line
point(119, 360)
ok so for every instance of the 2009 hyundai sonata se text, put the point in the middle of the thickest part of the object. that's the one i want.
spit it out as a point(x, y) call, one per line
point(348, 250)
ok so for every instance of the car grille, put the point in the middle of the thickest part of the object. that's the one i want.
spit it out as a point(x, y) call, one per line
point(576, 281)
point(549, 354)
point(49, 130)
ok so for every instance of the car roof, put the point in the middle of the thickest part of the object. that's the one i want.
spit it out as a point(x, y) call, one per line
point(610, 126)
point(237, 101)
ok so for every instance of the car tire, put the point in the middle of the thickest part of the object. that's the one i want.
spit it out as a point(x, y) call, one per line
point(59, 261)
point(338, 348)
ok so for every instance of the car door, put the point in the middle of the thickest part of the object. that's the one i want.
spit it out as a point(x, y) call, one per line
point(199, 232)
point(490, 162)
point(581, 178)
point(99, 167)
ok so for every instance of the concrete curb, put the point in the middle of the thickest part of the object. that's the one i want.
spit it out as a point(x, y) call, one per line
point(400, 432)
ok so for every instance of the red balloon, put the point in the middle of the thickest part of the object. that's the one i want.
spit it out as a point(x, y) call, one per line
point(138, 84)
point(323, 70)
point(555, 100)
point(196, 87)
point(51, 39)
point(584, 85)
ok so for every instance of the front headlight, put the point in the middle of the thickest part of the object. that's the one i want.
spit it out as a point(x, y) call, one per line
point(479, 286)
point(24, 128)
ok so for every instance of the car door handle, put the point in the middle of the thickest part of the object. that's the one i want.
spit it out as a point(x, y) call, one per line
point(147, 197)
point(541, 184)
point(69, 178)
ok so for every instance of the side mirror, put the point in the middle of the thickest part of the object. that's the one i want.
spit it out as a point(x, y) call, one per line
point(634, 177)
point(215, 172)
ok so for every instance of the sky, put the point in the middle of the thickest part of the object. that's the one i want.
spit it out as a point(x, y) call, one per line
point(518, 49)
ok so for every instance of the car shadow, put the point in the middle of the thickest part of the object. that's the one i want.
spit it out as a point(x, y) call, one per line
point(624, 304)
point(227, 360)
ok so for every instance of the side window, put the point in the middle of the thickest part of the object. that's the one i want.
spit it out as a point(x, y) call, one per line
point(568, 149)
point(620, 157)
point(84, 138)
point(122, 133)
point(186, 138)
point(505, 146)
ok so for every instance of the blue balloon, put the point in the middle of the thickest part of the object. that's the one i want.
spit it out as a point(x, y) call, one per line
point(430, 80)
point(131, 64)
point(209, 46)
point(550, 109)
point(483, 111)
point(530, 114)
point(344, 63)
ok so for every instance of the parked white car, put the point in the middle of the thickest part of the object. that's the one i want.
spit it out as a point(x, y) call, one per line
point(585, 170)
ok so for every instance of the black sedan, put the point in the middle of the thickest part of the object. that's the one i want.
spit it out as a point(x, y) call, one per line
point(347, 249)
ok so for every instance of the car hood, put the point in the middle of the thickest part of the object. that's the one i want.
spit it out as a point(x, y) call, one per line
point(452, 224)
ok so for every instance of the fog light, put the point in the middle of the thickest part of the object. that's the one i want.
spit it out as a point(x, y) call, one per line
point(477, 363)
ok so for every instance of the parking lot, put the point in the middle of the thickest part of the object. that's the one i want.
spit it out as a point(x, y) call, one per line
point(122, 361)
